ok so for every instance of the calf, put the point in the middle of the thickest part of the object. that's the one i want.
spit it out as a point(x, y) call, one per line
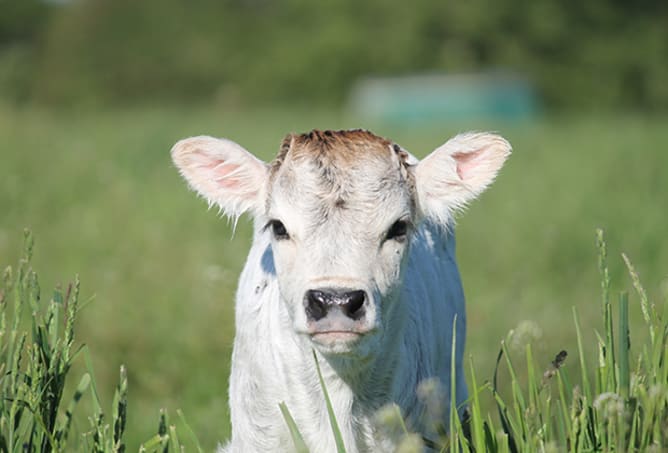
point(353, 256)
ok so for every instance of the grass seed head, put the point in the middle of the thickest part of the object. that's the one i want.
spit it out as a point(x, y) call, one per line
point(526, 332)
point(411, 443)
point(610, 405)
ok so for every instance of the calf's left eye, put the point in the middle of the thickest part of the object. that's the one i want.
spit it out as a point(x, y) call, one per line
point(397, 231)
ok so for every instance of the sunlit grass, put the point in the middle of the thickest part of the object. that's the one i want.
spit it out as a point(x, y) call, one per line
point(37, 351)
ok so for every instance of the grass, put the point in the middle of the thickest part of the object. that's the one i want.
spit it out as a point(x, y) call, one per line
point(36, 356)
point(159, 272)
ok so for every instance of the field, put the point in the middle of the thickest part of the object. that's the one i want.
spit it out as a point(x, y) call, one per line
point(159, 271)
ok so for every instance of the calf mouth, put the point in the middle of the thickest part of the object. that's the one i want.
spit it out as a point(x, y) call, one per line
point(333, 336)
point(339, 341)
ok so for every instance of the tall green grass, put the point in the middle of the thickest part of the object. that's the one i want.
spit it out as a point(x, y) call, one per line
point(37, 351)
point(619, 404)
point(625, 408)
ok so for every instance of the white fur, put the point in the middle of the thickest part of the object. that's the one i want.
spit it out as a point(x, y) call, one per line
point(414, 288)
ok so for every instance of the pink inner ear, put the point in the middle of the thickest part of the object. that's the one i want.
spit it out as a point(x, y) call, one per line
point(222, 174)
point(466, 163)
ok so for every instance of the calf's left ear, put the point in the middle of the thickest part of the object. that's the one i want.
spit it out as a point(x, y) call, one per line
point(457, 172)
point(222, 172)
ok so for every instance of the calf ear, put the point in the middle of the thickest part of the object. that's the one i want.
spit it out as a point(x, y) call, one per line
point(457, 172)
point(224, 173)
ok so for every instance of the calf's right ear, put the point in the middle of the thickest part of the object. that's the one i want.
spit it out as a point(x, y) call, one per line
point(222, 172)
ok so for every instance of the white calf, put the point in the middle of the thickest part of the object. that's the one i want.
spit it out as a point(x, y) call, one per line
point(353, 256)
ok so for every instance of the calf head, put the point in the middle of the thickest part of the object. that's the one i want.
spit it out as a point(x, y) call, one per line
point(341, 208)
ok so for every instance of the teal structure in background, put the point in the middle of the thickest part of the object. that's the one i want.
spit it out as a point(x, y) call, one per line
point(421, 98)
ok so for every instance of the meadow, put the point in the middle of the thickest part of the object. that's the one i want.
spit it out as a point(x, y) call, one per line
point(159, 271)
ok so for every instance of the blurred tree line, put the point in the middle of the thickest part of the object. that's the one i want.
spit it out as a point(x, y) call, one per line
point(579, 54)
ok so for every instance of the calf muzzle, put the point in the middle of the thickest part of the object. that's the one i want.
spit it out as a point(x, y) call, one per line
point(327, 302)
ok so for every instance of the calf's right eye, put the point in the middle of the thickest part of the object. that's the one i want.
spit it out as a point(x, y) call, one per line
point(278, 230)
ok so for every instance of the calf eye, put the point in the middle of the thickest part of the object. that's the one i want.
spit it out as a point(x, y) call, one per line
point(278, 229)
point(398, 231)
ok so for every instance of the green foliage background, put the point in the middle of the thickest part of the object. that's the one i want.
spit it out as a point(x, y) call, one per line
point(597, 54)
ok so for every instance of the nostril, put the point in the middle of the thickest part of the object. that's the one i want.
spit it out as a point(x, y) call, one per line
point(316, 305)
point(353, 307)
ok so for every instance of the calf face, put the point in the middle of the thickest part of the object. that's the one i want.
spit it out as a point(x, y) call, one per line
point(341, 207)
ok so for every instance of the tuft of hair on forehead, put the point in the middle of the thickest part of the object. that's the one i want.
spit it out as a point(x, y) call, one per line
point(347, 138)
point(336, 145)
point(342, 143)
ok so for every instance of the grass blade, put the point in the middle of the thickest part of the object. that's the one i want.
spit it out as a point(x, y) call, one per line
point(189, 430)
point(624, 344)
point(119, 410)
point(69, 413)
point(647, 311)
point(478, 428)
point(583, 366)
point(297, 439)
point(340, 448)
point(611, 376)
point(503, 410)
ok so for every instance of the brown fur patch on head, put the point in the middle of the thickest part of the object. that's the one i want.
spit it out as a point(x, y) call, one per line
point(342, 146)
point(347, 140)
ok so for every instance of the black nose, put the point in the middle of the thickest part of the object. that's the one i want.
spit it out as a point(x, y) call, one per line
point(319, 302)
